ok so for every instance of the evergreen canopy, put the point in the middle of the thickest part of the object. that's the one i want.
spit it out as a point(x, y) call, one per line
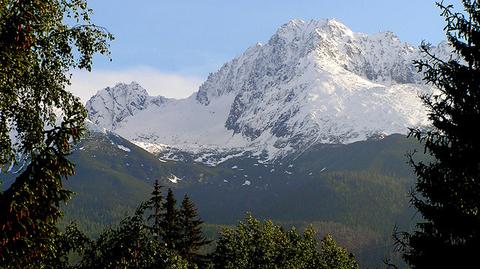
point(448, 188)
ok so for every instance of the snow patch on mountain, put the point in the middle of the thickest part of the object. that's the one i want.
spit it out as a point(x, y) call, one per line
point(123, 148)
point(174, 179)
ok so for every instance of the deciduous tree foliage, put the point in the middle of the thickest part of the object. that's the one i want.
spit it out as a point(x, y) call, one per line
point(448, 189)
point(255, 244)
point(127, 245)
point(40, 42)
point(334, 256)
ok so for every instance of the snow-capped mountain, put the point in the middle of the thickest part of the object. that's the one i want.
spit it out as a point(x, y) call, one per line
point(112, 105)
point(312, 82)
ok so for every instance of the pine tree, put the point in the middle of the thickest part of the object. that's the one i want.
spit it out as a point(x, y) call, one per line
point(448, 188)
point(155, 203)
point(192, 238)
point(170, 223)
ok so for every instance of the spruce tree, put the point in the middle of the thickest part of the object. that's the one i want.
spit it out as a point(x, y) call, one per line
point(448, 188)
point(170, 223)
point(192, 238)
point(155, 203)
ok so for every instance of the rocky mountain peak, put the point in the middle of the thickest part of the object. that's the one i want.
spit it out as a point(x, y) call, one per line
point(312, 82)
point(109, 106)
point(381, 58)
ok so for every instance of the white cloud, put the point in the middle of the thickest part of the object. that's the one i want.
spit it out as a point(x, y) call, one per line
point(86, 84)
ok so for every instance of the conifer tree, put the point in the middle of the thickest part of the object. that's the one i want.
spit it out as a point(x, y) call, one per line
point(192, 237)
point(448, 188)
point(155, 203)
point(129, 245)
point(170, 223)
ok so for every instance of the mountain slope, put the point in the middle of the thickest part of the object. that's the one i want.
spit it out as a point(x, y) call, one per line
point(113, 176)
point(312, 83)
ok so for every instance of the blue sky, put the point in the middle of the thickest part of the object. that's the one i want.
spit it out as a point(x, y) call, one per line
point(171, 46)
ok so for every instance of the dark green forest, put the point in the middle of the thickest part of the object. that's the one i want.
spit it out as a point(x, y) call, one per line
point(358, 200)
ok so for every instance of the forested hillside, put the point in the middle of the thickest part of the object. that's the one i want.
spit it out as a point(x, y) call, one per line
point(357, 192)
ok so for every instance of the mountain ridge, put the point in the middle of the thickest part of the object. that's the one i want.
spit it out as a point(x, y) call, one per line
point(311, 83)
